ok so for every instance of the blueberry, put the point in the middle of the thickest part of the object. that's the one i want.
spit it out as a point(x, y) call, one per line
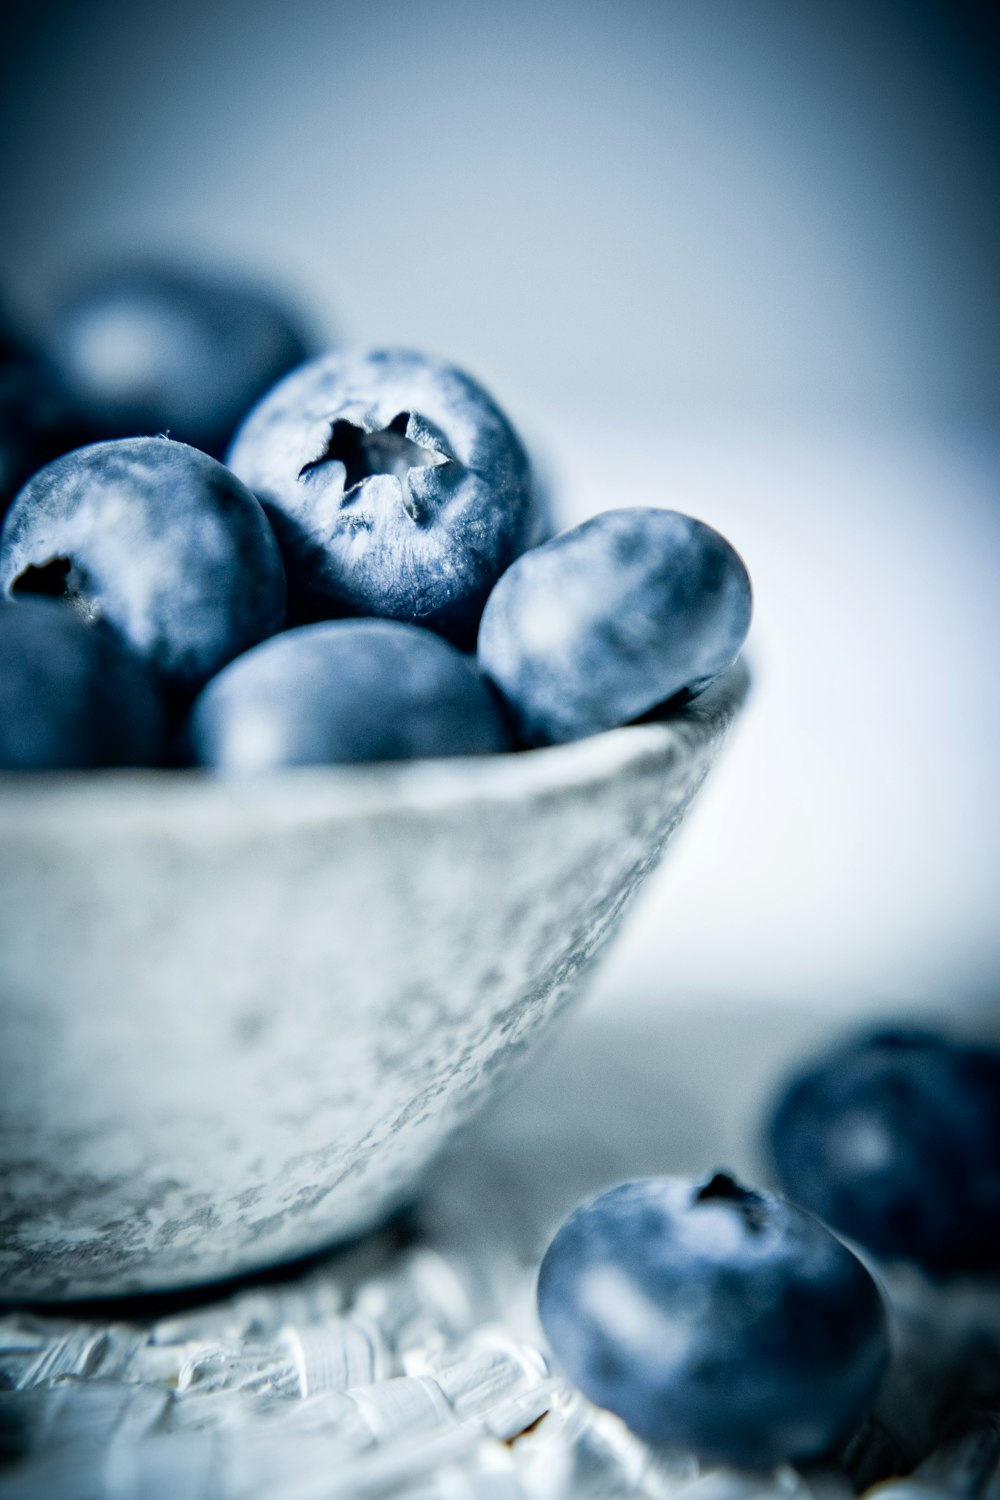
point(346, 690)
point(72, 697)
point(612, 618)
point(158, 348)
point(893, 1137)
point(158, 539)
point(37, 420)
point(395, 486)
point(714, 1319)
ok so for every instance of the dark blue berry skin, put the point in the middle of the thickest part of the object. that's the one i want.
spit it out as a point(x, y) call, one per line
point(714, 1319)
point(72, 696)
point(159, 540)
point(395, 486)
point(893, 1138)
point(345, 691)
point(37, 420)
point(612, 618)
point(155, 348)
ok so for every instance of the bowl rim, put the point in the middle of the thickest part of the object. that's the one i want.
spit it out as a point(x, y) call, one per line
point(308, 793)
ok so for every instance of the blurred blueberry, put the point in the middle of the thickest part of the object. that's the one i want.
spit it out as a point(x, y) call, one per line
point(158, 348)
point(347, 690)
point(612, 618)
point(72, 696)
point(714, 1319)
point(395, 486)
point(37, 420)
point(160, 540)
point(893, 1138)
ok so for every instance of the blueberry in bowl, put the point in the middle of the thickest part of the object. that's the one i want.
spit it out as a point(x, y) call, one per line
point(396, 487)
point(606, 621)
point(73, 697)
point(153, 346)
point(342, 692)
point(38, 420)
point(157, 540)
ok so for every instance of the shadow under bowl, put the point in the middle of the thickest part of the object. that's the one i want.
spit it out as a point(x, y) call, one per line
point(240, 1018)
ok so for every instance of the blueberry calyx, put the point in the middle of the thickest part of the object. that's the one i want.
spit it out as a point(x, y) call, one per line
point(368, 452)
point(748, 1204)
point(60, 579)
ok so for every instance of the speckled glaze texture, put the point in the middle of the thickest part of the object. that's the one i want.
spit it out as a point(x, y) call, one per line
point(240, 1018)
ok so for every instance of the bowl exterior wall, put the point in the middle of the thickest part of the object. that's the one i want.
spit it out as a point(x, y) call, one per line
point(237, 1026)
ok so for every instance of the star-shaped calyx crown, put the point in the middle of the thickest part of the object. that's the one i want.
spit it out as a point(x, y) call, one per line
point(364, 454)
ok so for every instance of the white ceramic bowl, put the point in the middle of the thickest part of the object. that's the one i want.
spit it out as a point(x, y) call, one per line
point(238, 1019)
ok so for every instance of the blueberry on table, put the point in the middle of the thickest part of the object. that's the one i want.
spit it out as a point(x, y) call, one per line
point(343, 691)
point(396, 487)
point(158, 539)
point(893, 1138)
point(611, 619)
point(158, 348)
point(72, 696)
point(714, 1319)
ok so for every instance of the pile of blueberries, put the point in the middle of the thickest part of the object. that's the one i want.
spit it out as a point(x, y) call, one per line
point(220, 551)
point(737, 1324)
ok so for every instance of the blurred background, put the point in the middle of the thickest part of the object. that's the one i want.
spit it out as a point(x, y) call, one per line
point(737, 257)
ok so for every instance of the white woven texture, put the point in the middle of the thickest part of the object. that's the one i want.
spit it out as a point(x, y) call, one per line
point(412, 1366)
